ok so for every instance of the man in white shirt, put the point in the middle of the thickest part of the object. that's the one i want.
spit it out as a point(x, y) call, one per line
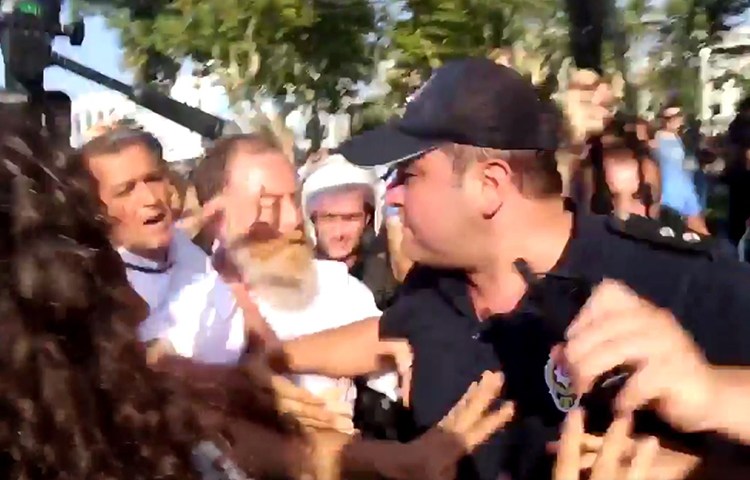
point(258, 223)
point(164, 267)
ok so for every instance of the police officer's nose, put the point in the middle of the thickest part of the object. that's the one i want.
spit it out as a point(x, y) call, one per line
point(394, 196)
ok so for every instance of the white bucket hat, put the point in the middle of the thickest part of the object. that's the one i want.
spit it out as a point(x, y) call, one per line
point(333, 173)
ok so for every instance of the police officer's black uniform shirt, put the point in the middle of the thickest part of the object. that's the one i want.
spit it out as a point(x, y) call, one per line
point(673, 268)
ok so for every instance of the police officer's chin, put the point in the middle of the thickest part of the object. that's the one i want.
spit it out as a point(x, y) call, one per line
point(280, 271)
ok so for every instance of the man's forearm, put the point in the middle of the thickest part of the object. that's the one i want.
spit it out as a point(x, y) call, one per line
point(347, 351)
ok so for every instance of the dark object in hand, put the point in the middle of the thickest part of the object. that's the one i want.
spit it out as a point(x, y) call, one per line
point(378, 417)
point(598, 403)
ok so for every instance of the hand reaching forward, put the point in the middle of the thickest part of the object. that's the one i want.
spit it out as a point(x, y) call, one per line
point(616, 327)
point(616, 456)
point(434, 455)
point(309, 410)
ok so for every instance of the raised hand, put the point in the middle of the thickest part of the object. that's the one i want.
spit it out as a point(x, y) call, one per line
point(616, 327)
point(470, 423)
point(309, 410)
point(616, 456)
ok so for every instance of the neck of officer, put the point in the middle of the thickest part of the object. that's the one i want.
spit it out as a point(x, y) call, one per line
point(538, 232)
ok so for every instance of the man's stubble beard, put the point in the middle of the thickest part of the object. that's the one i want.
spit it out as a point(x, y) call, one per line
point(280, 270)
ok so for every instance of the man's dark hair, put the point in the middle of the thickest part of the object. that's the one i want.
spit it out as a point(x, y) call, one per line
point(210, 175)
point(535, 172)
point(119, 138)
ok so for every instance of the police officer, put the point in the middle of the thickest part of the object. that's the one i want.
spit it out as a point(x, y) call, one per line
point(503, 267)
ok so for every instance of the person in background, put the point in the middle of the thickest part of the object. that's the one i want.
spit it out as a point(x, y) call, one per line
point(339, 203)
point(677, 187)
point(635, 184)
point(737, 173)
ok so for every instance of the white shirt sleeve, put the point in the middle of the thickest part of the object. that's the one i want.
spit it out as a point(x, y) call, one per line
point(360, 299)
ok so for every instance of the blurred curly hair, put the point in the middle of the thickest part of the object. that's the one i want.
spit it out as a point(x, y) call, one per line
point(77, 399)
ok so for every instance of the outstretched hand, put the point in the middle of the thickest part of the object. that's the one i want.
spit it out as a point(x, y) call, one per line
point(616, 456)
point(470, 422)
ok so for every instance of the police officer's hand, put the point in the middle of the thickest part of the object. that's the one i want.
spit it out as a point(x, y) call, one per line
point(671, 375)
point(435, 454)
point(616, 456)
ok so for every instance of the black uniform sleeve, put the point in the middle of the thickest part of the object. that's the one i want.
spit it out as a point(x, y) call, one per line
point(717, 311)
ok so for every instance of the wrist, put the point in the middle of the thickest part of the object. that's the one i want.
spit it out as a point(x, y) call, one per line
point(719, 400)
point(387, 459)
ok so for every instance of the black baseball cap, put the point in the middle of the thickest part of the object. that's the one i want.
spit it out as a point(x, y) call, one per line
point(471, 102)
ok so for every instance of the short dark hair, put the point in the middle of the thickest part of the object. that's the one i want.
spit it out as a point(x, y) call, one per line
point(535, 172)
point(119, 138)
point(210, 175)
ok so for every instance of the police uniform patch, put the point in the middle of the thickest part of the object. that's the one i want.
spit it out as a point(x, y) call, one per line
point(654, 232)
point(560, 386)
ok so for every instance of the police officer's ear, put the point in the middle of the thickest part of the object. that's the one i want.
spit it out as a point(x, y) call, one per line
point(496, 178)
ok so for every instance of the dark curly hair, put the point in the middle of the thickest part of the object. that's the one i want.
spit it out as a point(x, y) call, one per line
point(77, 399)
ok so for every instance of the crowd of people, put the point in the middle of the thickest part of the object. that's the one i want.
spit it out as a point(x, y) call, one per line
point(475, 290)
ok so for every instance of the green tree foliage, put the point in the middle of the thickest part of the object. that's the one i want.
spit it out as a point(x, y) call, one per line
point(687, 27)
point(426, 33)
point(312, 49)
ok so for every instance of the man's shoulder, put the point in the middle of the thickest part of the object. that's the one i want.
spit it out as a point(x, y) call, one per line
point(190, 256)
point(676, 238)
point(618, 238)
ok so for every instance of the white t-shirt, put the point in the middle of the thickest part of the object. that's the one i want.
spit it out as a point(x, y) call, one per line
point(218, 335)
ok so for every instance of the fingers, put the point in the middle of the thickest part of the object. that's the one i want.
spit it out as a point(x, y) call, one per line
point(474, 403)
point(616, 456)
point(469, 421)
point(489, 424)
point(200, 217)
point(609, 296)
point(641, 388)
point(645, 456)
point(567, 465)
point(633, 349)
point(607, 464)
point(401, 353)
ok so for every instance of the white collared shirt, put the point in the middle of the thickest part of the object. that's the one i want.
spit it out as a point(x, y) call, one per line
point(183, 298)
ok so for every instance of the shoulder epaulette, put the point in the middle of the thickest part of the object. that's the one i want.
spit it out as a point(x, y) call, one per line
point(656, 233)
